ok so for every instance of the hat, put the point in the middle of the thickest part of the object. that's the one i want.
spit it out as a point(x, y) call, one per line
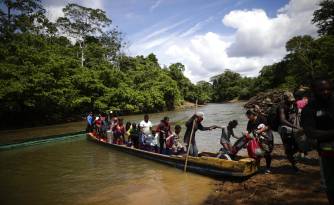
point(250, 112)
point(289, 96)
point(261, 126)
point(200, 114)
point(110, 112)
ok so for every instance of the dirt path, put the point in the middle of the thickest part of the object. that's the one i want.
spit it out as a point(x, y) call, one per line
point(282, 186)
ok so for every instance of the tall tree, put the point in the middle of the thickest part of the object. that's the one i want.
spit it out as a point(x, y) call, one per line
point(20, 15)
point(185, 86)
point(324, 17)
point(226, 85)
point(112, 41)
point(301, 52)
point(79, 22)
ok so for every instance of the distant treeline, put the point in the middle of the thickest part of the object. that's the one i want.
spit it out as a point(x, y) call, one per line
point(51, 72)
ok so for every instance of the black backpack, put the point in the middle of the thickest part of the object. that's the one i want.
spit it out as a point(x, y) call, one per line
point(273, 118)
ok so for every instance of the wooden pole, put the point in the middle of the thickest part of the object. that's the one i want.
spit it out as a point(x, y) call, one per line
point(190, 140)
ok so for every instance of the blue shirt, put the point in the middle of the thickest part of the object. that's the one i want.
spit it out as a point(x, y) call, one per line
point(90, 120)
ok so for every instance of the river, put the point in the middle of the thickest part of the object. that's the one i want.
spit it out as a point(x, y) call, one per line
point(77, 171)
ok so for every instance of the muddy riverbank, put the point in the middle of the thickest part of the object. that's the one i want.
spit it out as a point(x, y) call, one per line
point(282, 186)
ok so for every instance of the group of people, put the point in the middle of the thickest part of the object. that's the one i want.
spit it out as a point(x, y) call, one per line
point(305, 121)
point(301, 120)
point(161, 140)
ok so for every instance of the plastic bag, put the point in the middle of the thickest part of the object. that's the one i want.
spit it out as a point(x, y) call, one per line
point(254, 149)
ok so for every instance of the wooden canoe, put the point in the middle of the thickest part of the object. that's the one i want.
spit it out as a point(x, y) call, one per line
point(210, 166)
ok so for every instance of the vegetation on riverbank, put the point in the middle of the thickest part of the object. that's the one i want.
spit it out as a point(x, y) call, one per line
point(55, 71)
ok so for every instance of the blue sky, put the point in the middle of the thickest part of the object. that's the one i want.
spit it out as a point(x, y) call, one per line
point(134, 17)
point(207, 36)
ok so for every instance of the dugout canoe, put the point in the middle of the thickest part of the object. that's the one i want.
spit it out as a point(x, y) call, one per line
point(205, 165)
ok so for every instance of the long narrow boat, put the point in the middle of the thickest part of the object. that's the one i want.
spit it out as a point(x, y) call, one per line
point(203, 165)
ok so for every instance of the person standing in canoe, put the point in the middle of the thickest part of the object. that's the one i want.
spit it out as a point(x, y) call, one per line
point(197, 119)
point(164, 131)
point(90, 122)
point(146, 130)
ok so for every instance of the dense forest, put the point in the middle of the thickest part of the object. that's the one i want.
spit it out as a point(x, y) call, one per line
point(56, 71)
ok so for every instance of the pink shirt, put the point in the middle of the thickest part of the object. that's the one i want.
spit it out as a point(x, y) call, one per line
point(301, 103)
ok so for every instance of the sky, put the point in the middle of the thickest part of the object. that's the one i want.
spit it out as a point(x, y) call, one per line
point(207, 36)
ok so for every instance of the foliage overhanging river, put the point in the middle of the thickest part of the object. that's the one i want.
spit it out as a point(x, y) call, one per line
point(80, 172)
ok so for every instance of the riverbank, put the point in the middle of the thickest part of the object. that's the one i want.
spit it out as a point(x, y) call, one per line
point(36, 133)
point(282, 186)
point(12, 136)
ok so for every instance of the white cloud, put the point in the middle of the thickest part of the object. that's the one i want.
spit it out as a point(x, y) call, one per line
point(162, 30)
point(259, 35)
point(205, 56)
point(54, 12)
point(155, 5)
point(198, 26)
point(258, 40)
point(54, 8)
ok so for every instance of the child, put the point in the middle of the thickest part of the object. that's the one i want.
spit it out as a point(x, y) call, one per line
point(128, 128)
point(119, 132)
point(173, 142)
point(227, 133)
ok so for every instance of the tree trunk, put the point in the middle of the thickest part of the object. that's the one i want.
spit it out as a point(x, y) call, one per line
point(82, 57)
point(8, 18)
point(82, 53)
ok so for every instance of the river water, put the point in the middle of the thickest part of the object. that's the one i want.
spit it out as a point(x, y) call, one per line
point(77, 171)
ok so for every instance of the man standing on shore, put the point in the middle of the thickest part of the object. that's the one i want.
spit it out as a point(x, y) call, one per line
point(254, 123)
point(317, 120)
point(197, 119)
point(287, 114)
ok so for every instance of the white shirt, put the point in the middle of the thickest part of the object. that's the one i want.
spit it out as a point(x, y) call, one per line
point(146, 126)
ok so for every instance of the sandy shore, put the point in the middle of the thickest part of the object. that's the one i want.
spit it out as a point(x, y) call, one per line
point(282, 186)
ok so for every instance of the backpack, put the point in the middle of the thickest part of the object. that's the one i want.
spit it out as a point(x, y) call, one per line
point(273, 118)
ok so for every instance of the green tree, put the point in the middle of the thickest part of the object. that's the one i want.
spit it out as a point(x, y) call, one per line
point(185, 86)
point(80, 22)
point(204, 92)
point(20, 15)
point(324, 17)
point(226, 85)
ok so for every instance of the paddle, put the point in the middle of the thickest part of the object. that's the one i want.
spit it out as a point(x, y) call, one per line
point(190, 140)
